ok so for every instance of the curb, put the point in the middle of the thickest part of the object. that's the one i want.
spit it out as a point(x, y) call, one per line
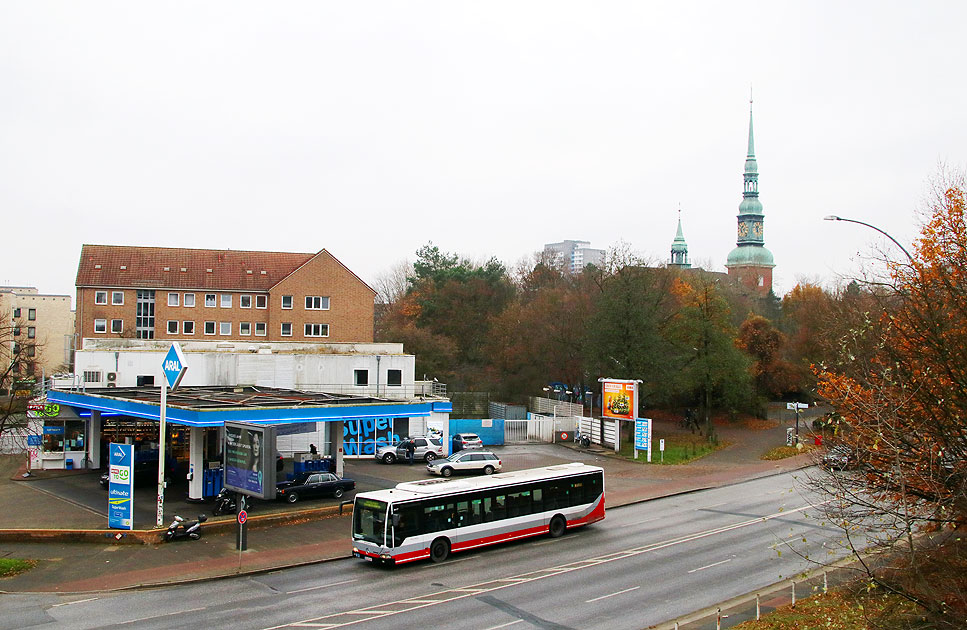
point(154, 536)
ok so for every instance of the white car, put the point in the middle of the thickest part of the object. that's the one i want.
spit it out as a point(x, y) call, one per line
point(466, 461)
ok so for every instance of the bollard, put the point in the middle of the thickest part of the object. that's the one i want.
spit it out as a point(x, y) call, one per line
point(676, 625)
point(794, 594)
point(757, 607)
point(825, 583)
point(718, 619)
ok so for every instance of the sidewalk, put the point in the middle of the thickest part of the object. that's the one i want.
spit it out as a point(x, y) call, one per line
point(317, 535)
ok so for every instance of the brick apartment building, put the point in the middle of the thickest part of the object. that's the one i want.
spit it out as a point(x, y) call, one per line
point(219, 295)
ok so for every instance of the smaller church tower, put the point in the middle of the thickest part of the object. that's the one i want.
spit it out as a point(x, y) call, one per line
point(679, 257)
point(750, 262)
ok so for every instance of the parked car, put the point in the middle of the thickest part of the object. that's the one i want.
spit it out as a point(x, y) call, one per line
point(424, 448)
point(313, 484)
point(466, 440)
point(466, 461)
point(840, 457)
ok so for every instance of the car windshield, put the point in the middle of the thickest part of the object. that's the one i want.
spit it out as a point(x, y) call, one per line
point(369, 520)
point(454, 457)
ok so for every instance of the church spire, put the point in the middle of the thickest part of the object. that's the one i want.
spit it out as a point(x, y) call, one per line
point(679, 257)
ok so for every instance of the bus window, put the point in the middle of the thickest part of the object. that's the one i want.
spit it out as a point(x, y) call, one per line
point(500, 507)
point(476, 511)
point(463, 513)
point(577, 492)
point(408, 523)
point(538, 500)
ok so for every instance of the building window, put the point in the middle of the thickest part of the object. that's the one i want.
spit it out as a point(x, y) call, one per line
point(189, 300)
point(172, 326)
point(31, 332)
point(173, 299)
point(16, 312)
point(100, 297)
point(209, 328)
point(100, 325)
point(144, 320)
point(317, 330)
point(245, 328)
point(394, 377)
point(188, 328)
point(226, 300)
point(31, 351)
point(16, 331)
point(287, 329)
point(31, 314)
point(286, 301)
point(117, 325)
point(261, 301)
point(245, 301)
point(224, 328)
point(92, 376)
point(117, 298)
point(209, 300)
point(317, 303)
point(259, 329)
point(362, 377)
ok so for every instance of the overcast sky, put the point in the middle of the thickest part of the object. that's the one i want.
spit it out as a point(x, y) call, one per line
point(490, 128)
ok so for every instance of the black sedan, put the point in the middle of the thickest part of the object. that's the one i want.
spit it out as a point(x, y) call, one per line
point(313, 484)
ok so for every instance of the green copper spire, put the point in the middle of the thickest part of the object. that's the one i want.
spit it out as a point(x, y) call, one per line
point(679, 256)
point(750, 250)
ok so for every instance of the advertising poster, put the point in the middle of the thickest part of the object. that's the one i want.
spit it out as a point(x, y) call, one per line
point(120, 487)
point(619, 399)
point(250, 459)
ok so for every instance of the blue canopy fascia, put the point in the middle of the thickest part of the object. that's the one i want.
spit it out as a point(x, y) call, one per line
point(265, 415)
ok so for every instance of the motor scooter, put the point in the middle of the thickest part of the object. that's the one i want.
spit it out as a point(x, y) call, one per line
point(180, 528)
point(582, 439)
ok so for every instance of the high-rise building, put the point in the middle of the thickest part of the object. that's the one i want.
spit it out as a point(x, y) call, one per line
point(573, 256)
point(750, 262)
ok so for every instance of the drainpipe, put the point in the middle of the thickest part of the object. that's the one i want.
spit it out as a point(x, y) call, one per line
point(377, 375)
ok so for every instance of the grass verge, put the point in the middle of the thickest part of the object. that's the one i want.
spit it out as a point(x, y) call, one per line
point(835, 610)
point(680, 448)
point(782, 452)
point(13, 566)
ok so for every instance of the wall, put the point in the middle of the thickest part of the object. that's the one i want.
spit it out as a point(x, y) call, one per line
point(490, 436)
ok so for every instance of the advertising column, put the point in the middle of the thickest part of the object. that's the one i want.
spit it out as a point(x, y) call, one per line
point(120, 489)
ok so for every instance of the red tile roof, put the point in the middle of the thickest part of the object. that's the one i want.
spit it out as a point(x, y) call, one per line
point(174, 268)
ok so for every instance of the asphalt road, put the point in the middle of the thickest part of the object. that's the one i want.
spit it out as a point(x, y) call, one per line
point(644, 564)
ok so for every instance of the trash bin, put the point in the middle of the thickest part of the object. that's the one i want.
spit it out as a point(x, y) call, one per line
point(819, 440)
point(68, 464)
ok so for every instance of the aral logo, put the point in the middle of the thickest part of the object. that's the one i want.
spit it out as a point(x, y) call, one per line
point(118, 453)
point(171, 365)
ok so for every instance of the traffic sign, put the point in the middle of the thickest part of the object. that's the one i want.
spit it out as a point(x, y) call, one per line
point(797, 405)
point(174, 366)
point(242, 517)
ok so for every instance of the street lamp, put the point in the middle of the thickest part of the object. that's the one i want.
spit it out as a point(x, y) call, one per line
point(833, 217)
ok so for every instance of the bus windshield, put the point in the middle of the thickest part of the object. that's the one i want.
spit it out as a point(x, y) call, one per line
point(369, 521)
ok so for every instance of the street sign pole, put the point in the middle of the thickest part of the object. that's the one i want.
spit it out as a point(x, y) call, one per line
point(161, 452)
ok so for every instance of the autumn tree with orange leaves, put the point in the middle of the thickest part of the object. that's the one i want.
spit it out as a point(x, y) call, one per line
point(900, 386)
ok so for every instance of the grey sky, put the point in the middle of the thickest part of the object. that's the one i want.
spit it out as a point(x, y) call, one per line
point(490, 128)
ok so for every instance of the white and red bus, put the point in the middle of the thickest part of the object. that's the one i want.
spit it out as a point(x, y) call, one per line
point(433, 517)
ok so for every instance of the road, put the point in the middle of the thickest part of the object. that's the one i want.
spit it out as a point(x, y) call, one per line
point(644, 564)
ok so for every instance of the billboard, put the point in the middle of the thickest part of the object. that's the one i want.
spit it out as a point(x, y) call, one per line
point(120, 487)
point(250, 459)
point(619, 399)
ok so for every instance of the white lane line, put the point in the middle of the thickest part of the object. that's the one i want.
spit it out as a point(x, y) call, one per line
point(315, 588)
point(176, 612)
point(707, 507)
point(627, 590)
point(647, 520)
point(79, 601)
point(375, 612)
point(709, 566)
point(504, 625)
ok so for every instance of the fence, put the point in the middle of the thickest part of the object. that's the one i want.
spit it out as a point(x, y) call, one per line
point(601, 431)
point(556, 408)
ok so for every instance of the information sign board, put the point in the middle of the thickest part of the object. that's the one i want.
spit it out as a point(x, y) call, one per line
point(120, 488)
point(642, 434)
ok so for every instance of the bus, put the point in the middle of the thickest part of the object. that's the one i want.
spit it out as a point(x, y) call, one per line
point(433, 517)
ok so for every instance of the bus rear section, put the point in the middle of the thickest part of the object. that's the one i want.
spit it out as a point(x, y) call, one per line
point(435, 517)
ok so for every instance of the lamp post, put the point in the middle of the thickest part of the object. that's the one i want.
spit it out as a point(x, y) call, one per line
point(833, 217)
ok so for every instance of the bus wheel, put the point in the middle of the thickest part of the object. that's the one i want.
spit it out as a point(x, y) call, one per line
point(557, 527)
point(439, 550)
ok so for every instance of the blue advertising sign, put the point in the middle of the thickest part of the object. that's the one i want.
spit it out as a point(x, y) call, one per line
point(642, 434)
point(174, 366)
point(250, 459)
point(54, 430)
point(33, 440)
point(120, 488)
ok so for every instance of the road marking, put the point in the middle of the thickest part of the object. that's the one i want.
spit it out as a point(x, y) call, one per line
point(473, 590)
point(709, 566)
point(627, 590)
point(175, 612)
point(79, 601)
point(314, 588)
point(504, 625)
